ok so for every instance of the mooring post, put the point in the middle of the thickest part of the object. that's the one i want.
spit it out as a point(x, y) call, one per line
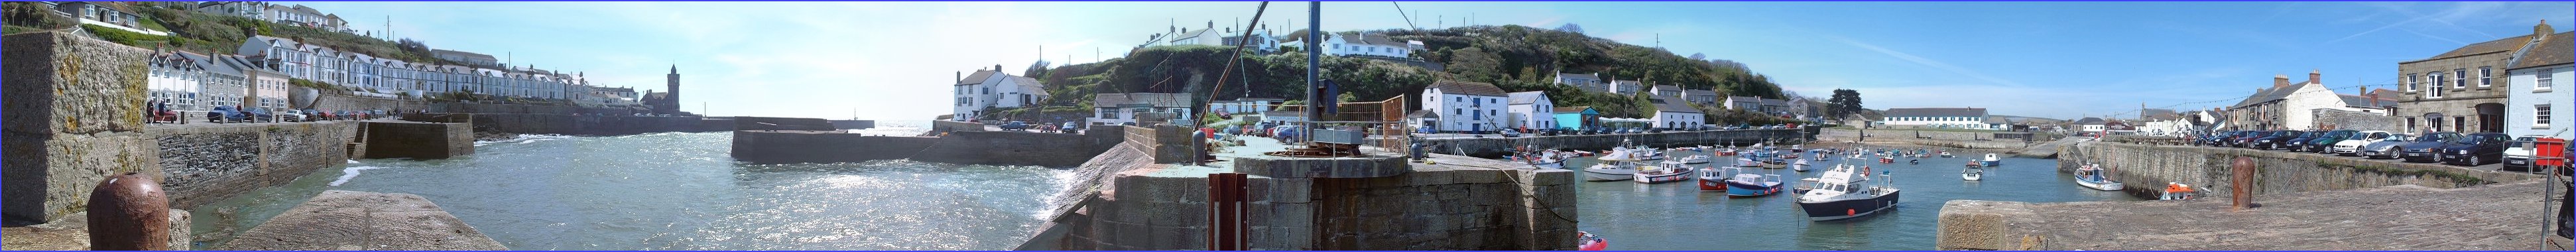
point(1226, 197)
point(129, 212)
point(2243, 187)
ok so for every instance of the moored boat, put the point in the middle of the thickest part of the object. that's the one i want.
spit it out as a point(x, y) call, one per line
point(1669, 171)
point(1844, 193)
point(1803, 186)
point(1972, 173)
point(1753, 185)
point(1608, 172)
point(1801, 166)
point(1589, 242)
point(2090, 176)
point(1992, 161)
point(1695, 159)
point(1712, 179)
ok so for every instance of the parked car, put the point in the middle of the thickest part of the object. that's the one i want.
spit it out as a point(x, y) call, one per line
point(292, 115)
point(2352, 146)
point(2422, 150)
point(1508, 133)
point(2293, 143)
point(2211, 139)
point(2518, 154)
point(2475, 149)
point(2274, 140)
point(1015, 126)
point(225, 114)
point(2321, 143)
point(2385, 148)
point(261, 115)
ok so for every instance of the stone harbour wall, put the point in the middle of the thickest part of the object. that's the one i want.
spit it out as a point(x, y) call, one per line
point(421, 140)
point(2146, 168)
point(962, 147)
point(567, 124)
point(2399, 217)
point(331, 102)
point(213, 162)
point(1497, 146)
point(74, 116)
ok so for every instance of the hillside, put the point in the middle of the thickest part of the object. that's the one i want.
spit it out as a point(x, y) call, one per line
point(211, 33)
point(1515, 58)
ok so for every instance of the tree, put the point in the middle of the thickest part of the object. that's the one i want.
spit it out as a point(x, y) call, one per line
point(1845, 103)
point(1699, 56)
point(1036, 69)
point(1570, 27)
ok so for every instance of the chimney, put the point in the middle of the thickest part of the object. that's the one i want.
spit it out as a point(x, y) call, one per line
point(997, 67)
point(2280, 80)
point(2541, 30)
point(961, 76)
point(2313, 74)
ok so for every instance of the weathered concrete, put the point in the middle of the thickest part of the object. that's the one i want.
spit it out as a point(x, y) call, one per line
point(210, 162)
point(422, 140)
point(72, 233)
point(944, 126)
point(782, 123)
point(1492, 147)
point(961, 147)
point(2146, 167)
point(1371, 166)
point(854, 124)
point(74, 116)
point(2401, 217)
point(351, 220)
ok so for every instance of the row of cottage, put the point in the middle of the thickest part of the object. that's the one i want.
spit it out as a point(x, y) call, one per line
point(260, 72)
point(2505, 85)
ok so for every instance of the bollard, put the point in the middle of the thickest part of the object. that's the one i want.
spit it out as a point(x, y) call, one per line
point(129, 212)
point(2244, 183)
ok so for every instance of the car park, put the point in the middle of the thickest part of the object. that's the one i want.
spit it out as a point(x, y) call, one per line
point(2475, 149)
point(2422, 150)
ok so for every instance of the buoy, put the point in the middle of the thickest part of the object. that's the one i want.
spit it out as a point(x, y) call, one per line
point(1850, 212)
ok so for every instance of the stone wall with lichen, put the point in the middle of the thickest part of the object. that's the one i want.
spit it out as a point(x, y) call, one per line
point(74, 115)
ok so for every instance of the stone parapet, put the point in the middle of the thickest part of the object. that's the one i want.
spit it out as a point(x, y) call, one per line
point(2400, 217)
point(74, 115)
point(2275, 171)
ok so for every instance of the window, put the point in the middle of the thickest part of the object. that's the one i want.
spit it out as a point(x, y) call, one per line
point(2437, 89)
point(2486, 76)
point(2410, 82)
point(2540, 118)
point(2543, 84)
point(2459, 78)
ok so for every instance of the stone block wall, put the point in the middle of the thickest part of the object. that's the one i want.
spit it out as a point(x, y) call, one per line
point(74, 116)
point(567, 124)
point(210, 163)
point(1167, 144)
point(2146, 168)
point(329, 102)
point(938, 126)
point(782, 123)
point(2348, 120)
point(1498, 147)
point(1445, 209)
point(963, 147)
point(419, 140)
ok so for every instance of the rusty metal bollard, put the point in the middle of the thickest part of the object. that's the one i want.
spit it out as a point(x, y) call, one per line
point(129, 212)
point(2244, 183)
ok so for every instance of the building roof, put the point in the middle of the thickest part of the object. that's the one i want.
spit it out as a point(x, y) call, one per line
point(1029, 85)
point(1571, 110)
point(1527, 97)
point(2268, 94)
point(1364, 38)
point(1936, 112)
point(1696, 92)
point(1997, 120)
point(1466, 88)
point(1158, 100)
point(2091, 120)
point(1426, 113)
point(1562, 75)
point(2158, 114)
point(1668, 87)
point(977, 78)
point(2552, 51)
point(219, 64)
point(2364, 101)
point(2498, 45)
point(468, 55)
point(1670, 105)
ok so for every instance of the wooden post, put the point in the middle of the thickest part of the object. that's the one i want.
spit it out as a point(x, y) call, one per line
point(129, 212)
point(2243, 184)
point(1226, 195)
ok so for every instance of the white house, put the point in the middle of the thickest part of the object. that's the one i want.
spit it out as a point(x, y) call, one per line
point(247, 9)
point(1465, 106)
point(1626, 87)
point(1951, 118)
point(176, 79)
point(1673, 113)
point(1577, 80)
point(1244, 105)
point(2535, 107)
point(990, 88)
point(2091, 124)
point(1666, 90)
point(228, 82)
point(2288, 106)
point(1532, 110)
point(2162, 122)
point(1119, 109)
point(111, 15)
point(1364, 44)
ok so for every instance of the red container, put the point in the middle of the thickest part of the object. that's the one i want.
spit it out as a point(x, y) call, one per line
point(2552, 150)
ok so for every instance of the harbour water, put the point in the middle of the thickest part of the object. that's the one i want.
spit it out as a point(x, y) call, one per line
point(680, 191)
point(1677, 216)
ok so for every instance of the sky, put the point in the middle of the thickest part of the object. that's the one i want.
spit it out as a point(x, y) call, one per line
point(896, 60)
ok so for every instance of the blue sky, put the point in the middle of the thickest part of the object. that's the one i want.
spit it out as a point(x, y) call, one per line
point(895, 60)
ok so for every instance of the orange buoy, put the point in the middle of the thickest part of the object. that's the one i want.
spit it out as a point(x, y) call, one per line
point(1850, 212)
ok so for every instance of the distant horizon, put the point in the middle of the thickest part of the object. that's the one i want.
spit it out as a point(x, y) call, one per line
point(2054, 60)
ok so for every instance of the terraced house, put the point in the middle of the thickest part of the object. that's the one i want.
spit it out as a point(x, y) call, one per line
point(2463, 90)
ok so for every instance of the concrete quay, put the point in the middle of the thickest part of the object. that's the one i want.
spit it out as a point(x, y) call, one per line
point(2400, 217)
point(351, 220)
point(770, 144)
point(2145, 168)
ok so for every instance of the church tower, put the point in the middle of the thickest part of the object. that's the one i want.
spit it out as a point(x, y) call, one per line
point(674, 95)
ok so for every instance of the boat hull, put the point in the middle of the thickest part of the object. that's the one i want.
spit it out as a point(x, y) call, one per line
point(1660, 178)
point(1990, 163)
point(1712, 184)
point(1850, 208)
point(2100, 185)
point(1748, 189)
point(1600, 175)
point(1972, 176)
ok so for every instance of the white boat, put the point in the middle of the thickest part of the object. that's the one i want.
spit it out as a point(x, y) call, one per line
point(1972, 173)
point(1846, 192)
point(1695, 159)
point(1608, 172)
point(2090, 176)
point(1801, 166)
point(1992, 161)
point(1648, 154)
point(1668, 172)
point(1945, 154)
